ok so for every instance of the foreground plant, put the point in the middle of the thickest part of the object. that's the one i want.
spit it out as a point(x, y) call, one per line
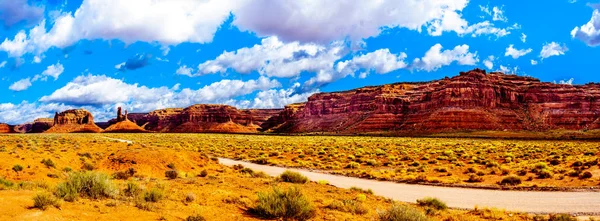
point(286, 204)
point(93, 185)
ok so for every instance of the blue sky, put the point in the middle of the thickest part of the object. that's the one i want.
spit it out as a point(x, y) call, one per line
point(151, 54)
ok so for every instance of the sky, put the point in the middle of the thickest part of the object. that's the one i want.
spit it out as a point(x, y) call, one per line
point(145, 55)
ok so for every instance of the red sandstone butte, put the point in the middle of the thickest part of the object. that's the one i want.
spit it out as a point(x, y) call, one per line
point(74, 121)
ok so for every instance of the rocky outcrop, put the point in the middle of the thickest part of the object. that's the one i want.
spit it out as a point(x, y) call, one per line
point(474, 100)
point(123, 125)
point(5, 128)
point(74, 121)
point(203, 118)
point(41, 125)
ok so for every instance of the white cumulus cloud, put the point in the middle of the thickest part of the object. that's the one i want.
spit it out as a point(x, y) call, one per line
point(435, 58)
point(275, 58)
point(20, 85)
point(489, 62)
point(553, 49)
point(589, 33)
point(516, 53)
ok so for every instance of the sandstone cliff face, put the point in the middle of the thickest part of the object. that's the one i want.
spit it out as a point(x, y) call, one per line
point(74, 121)
point(203, 118)
point(41, 124)
point(473, 100)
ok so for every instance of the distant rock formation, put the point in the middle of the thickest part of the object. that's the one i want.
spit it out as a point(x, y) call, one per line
point(41, 125)
point(202, 118)
point(5, 128)
point(474, 100)
point(123, 125)
point(74, 121)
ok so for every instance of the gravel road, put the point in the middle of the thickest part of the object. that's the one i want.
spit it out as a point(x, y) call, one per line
point(463, 198)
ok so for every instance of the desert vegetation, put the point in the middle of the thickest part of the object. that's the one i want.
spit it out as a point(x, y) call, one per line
point(448, 161)
point(96, 178)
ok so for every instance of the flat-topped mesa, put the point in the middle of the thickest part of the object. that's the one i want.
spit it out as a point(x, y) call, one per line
point(74, 121)
point(473, 100)
point(123, 125)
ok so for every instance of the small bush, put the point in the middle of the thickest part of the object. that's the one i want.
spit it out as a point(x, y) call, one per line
point(510, 180)
point(132, 189)
point(48, 163)
point(401, 212)
point(262, 161)
point(44, 200)
point(67, 169)
point(195, 218)
point(586, 175)
point(353, 165)
point(204, 173)
point(561, 217)
point(4, 183)
point(17, 168)
point(293, 177)
point(190, 197)
point(545, 173)
point(88, 184)
point(358, 189)
point(88, 166)
point(154, 195)
point(288, 204)
point(432, 203)
point(348, 206)
point(171, 174)
point(124, 175)
point(474, 179)
point(171, 166)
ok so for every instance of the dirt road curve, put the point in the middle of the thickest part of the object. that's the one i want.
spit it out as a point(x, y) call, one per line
point(532, 202)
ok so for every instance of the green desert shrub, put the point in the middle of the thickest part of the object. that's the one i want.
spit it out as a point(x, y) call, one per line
point(148, 198)
point(474, 179)
point(433, 203)
point(511, 180)
point(4, 183)
point(203, 173)
point(293, 177)
point(93, 185)
point(17, 168)
point(561, 217)
point(288, 204)
point(153, 195)
point(44, 200)
point(586, 175)
point(353, 165)
point(358, 189)
point(402, 212)
point(544, 173)
point(348, 206)
point(171, 174)
point(132, 189)
point(124, 175)
point(48, 163)
point(195, 218)
point(190, 197)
